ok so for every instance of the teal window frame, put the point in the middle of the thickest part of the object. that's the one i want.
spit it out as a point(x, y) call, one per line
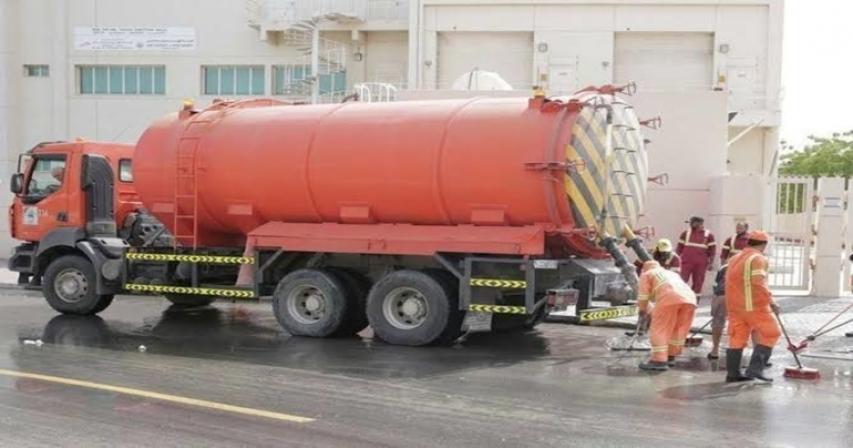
point(130, 79)
point(240, 80)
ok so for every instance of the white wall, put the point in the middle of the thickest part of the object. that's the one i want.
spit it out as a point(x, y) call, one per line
point(10, 115)
point(746, 155)
point(690, 148)
point(746, 46)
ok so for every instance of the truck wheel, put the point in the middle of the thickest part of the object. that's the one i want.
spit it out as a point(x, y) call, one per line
point(357, 286)
point(310, 302)
point(451, 285)
point(413, 308)
point(188, 300)
point(69, 286)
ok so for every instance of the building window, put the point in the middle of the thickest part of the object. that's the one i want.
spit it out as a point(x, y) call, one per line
point(122, 79)
point(36, 70)
point(295, 79)
point(233, 79)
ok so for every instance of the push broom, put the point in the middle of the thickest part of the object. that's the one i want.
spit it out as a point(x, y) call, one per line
point(630, 344)
point(695, 341)
point(799, 372)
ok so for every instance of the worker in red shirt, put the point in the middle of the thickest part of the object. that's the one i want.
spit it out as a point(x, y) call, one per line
point(750, 308)
point(672, 315)
point(663, 254)
point(697, 249)
point(735, 243)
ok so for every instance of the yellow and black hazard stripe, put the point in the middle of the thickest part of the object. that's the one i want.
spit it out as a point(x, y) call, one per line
point(618, 207)
point(498, 283)
point(497, 309)
point(585, 188)
point(606, 313)
point(610, 193)
point(218, 292)
point(207, 259)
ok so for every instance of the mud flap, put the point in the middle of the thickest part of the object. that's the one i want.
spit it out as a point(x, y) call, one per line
point(477, 322)
point(102, 253)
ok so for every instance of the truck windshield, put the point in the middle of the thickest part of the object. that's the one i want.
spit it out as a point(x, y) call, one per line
point(46, 177)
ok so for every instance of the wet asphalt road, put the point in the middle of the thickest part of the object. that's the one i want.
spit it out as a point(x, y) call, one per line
point(556, 386)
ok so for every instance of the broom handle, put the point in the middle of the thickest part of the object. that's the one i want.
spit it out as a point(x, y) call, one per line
point(818, 331)
point(790, 344)
point(702, 327)
point(833, 328)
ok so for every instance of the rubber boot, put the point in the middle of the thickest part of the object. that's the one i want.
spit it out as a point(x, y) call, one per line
point(670, 361)
point(733, 374)
point(656, 366)
point(760, 355)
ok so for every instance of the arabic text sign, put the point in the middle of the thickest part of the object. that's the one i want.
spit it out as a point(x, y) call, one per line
point(117, 38)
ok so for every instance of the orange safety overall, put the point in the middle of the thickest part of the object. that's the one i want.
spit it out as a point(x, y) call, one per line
point(748, 300)
point(672, 315)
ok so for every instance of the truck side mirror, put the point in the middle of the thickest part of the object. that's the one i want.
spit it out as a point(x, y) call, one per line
point(16, 184)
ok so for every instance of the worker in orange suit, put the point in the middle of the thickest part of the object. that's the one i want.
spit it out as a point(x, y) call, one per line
point(735, 243)
point(750, 307)
point(672, 315)
point(697, 248)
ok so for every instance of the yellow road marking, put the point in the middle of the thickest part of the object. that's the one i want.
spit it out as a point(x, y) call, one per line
point(158, 396)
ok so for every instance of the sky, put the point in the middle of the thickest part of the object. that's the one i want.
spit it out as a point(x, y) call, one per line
point(817, 69)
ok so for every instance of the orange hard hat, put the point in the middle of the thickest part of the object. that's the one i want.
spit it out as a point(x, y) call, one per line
point(649, 265)
point(759, 235)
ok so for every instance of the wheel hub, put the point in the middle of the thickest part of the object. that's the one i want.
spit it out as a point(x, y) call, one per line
point(71, 285)
point(307, 304)
point(405, 308)
point(313, 303)
point(411, 307)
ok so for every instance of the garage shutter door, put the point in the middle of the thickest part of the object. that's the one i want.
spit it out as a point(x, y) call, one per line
point(508, 54)
point(665, 61)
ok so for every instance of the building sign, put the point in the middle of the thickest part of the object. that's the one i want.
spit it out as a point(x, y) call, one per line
point(119, 38)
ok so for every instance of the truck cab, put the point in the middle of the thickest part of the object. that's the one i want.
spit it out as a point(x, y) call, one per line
point(68, 209)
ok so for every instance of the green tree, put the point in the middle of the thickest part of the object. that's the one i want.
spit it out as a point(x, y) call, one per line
point(820, 157)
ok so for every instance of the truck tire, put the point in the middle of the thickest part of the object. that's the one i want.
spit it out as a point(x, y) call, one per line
point(188, 300)
point(69, 286)
point(356, 288)
point(311, 302)
point(414, 308)
point(451, 285)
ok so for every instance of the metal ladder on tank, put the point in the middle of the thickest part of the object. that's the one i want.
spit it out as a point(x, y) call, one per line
point(186, 197)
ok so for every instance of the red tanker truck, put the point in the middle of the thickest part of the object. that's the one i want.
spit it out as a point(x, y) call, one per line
point(422, 219)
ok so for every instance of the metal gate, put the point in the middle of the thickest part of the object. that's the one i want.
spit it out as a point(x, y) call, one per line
point(790, 253)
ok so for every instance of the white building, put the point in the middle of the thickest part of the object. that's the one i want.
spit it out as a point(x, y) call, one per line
point(103, 69)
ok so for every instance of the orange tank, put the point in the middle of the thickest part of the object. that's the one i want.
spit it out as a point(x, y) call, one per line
point(564, 165)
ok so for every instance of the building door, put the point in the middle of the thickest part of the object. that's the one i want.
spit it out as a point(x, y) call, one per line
point(563, 76)
point(509, 54)
point(664, 61)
